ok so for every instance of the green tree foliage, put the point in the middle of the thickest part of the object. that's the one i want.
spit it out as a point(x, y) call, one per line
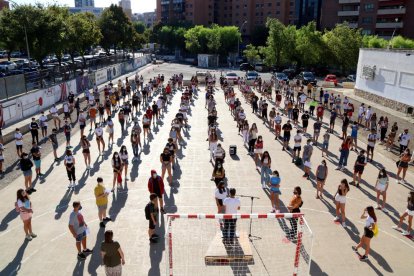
point(213, 40)
point(139, 27)
point(171, 37)
point(400, 42)
point(251, 53)
point(309, 45)
point(116, 28)
point(82, 33)
point(343, 44)
point(373, 41)
point(10, 31)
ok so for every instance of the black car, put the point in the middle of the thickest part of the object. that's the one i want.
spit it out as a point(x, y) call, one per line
point(246, 67)
point(306, 77)
point(290, 73)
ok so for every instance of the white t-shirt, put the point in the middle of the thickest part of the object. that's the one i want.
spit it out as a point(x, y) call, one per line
point(54, 111)
point(404, 139)
point(99, 131)
point(242, 116)
point(303, 98)
point(372, 137)
point(43, 121)
point(19, 138)
point(368, 114)
point(66, 108)
point(232, 205)
point(369, 221)
point(361, 110)
point(221, 196)
point(278, 120)
point(298, 140)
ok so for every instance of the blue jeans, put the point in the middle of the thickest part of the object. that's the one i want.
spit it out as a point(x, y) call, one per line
point(343, 159)
point(265, 175)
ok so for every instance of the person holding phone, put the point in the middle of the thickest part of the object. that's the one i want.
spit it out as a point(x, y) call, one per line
point(370, 223)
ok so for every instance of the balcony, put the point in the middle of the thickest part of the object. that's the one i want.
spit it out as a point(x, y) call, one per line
point(391, 11)
point(348, 13)
point(389, 25)
point(349, 1)
point(353, 25)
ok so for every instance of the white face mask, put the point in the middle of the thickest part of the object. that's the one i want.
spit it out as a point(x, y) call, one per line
point(116, 155)
point(154, 175)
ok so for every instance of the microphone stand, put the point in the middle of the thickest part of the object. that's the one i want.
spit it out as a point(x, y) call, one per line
point(251, 211)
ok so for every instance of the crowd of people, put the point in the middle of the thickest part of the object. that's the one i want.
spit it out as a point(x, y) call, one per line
point(287, 114)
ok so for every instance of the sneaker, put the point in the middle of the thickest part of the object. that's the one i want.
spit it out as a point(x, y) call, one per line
point(397, 228)
point(107, 219)
point(338, 168)
point(364, 258)
point(29, 238)
point(405, 233)
point(344, 224)
point(70, 186)
point(403, 181)
point(378, 207)
point(33, 190)
point(336, 219)
point(277, 211)
point(354, 248)
point(357, 185)
point(385, 210)
point(74, 183)
point(263, 186)
point(33, 235)
point(81, 256)
point(102, 224)
point(87, 251)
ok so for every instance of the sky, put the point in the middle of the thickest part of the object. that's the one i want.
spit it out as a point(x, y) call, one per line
point(138, 6)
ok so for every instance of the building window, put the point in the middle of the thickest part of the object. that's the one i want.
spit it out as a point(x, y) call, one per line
point(278, 4)
point(277, 12)
point(366, 32)
point(291, 12)
point(269, 4)
point(269, 13)
point(369, 7)
point(257, 5)
point(366, 20)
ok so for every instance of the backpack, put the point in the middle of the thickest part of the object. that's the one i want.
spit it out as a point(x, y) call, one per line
point(148, 211)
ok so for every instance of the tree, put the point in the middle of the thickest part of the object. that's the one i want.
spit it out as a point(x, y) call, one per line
point(343, 44)
point(251, 53)
point(309, 45)
point(229, 38)
point(280, 42)
point(139, 27)
point(193, 40)
point(115, 27)
point(10, 34)
point(213, 37)
point(400, 42)
point(83, 32)
point(373, 41)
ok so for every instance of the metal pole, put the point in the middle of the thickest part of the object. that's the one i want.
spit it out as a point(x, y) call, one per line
point(27, 44)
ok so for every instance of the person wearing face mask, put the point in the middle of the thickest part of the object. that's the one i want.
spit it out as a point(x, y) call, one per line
point(219, 154)
point(26, 167)
point(321, 175)
point(123, 153)
point(156, 186)
point(78, 229)
point(70, 168)
point(86, 151)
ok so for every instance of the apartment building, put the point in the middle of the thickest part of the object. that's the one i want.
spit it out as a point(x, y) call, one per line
point(379, 17)
point(243, 13)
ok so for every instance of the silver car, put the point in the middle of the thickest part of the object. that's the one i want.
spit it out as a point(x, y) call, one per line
point(7, 65)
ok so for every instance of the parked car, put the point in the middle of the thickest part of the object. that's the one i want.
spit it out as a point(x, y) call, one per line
point(7, 65)
point(246, 67)
point(260, 67)
point(290, 73)
point(16, 54)
point(232, 77)
point(3, 54)
point(281, 76)
point(22, 63)
point(251, 75)
point(331, 78)
point(306, 77)
point(351, 78)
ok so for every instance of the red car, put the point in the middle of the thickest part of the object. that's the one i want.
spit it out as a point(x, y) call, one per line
point(331, 78)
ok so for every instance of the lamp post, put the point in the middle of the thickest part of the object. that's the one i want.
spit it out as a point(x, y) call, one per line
point(25, 33)
point(238, 42)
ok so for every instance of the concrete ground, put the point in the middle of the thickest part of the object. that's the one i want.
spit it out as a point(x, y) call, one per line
point(53, 251)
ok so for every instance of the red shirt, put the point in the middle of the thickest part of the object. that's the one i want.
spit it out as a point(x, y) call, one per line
point(158, 181)
point(149, 113)
point(319, 111)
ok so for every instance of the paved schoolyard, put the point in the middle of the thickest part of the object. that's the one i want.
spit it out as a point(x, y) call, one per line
point(53, 251)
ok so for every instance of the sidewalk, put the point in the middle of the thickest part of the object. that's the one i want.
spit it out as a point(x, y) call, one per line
point(23, 125)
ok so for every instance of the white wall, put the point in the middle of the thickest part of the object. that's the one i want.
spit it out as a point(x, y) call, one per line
point(394, 74)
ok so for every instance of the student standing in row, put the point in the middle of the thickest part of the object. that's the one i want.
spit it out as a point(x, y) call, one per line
point(321, 175)
point(409, 212)
point(340, 201)
point(55, 145)
point(70, 168)
point(77, 227)
point(25, 208)
point(85, 144)
point(26, 167)
point(18, 136)
point(370, 224)
point(101, 196)
point(43, 124)
point(34, 130)
point(35, 151)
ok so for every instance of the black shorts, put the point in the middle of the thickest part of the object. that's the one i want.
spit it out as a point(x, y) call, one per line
point(359, 169)
point(220, 202)
point(368, 233)
point(305, 124)
point(320, 179)
point(369, 148)
point(286, 138)
point(297, 148)
point(19, 147)
point(86, 151)
point(151, 224)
